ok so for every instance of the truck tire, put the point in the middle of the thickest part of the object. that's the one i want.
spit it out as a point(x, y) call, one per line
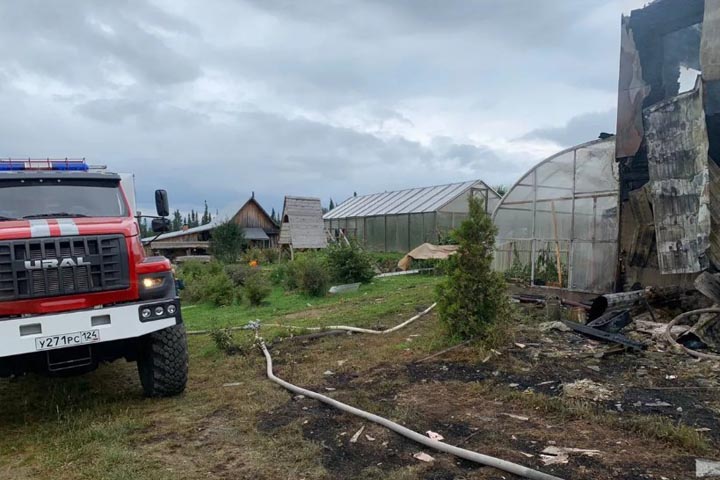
point(163, 362)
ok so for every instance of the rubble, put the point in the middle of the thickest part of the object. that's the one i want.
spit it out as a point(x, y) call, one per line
point(586, 389)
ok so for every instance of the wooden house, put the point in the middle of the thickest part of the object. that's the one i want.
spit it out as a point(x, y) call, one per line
point(302, 224)
point(259, 228)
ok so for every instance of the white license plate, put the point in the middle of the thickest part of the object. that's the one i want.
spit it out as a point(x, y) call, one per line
point(67, 340)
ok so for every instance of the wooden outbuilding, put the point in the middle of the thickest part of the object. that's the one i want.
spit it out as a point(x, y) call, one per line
point(259, 228)
point(302, 224)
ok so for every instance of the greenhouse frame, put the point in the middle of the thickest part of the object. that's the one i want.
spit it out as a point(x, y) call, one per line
point(401, 220)
point(558, 225)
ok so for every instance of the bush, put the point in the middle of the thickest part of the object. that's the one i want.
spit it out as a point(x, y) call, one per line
point(271, 255)
point(225, 342)
point(278, 274)
point(386, 261)
point(238, 272)
point(257, 288)
point(252, 254)
point(227, 242)
point(348, 263)
point(208, 283)
point(308, 274)
point(473, 297)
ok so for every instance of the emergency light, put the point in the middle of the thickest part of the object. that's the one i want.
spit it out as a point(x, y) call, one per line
point(10, 165)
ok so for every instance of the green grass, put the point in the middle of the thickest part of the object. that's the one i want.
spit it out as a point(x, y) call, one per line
point(380, 298)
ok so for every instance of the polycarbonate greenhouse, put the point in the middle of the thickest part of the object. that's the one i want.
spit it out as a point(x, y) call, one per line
point(402, 220)
point(558, 225)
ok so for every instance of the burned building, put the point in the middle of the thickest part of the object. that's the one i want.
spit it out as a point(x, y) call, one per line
point(668, 143)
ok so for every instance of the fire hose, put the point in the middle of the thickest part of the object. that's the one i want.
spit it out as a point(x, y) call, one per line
point(475, 457)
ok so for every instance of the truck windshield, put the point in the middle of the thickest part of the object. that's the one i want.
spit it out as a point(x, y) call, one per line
point(47, 200)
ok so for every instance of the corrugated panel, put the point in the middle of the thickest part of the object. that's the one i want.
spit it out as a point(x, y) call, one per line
point(677, 142)
point(413, 200)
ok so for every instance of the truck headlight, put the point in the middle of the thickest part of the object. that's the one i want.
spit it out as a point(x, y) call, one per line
point(152, 282)
point(156, 286)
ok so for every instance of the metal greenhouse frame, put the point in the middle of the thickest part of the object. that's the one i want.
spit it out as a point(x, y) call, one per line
point(558, 225)
point(401, 220)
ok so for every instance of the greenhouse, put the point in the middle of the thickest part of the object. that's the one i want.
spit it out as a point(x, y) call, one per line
point(558, 225)
point(401, 220)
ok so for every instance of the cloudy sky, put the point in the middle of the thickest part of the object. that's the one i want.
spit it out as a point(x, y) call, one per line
point(213, 100)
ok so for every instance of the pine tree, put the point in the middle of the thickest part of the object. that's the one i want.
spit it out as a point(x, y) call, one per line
point(177, 221)
point(272, 215)
point(332, 204)
point(473, 297)
point(206, 215)
point(144, 228)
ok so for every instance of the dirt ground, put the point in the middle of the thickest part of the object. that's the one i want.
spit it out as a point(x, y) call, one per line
point(655, 412)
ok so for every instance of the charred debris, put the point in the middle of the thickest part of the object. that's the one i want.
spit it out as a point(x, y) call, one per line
point(667, 149)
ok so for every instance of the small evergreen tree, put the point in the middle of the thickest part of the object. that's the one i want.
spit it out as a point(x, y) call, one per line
point(272, 216)
point(205, 215)
point(227, 242)
point(473, 296)
point(177, 221)
point(144, 228)
point(332, 204)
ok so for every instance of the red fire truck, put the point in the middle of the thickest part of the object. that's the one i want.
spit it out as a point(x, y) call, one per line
point(76, 288)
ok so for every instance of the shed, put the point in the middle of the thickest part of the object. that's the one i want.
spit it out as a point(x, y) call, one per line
point(302, 224)
point(259, 228)
point(401, 220)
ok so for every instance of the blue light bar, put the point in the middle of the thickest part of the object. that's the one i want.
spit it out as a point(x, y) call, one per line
point(11, 166)
point(8, 165)
point(70, 166)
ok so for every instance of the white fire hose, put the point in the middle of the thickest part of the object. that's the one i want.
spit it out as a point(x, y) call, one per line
point(475, 457)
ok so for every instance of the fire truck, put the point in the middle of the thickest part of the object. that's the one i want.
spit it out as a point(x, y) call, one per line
point(76, 288)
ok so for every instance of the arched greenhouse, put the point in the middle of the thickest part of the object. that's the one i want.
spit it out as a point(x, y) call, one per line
point(558, 225)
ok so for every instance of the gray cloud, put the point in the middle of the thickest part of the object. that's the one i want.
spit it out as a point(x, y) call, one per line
point(213, 101)
point(579, 129)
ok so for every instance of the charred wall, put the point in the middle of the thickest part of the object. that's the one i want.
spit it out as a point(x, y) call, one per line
point(668, 131)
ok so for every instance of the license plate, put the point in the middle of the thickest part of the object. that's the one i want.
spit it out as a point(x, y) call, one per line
point(67, 340)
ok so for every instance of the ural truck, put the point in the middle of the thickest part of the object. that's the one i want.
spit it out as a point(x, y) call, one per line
point(76, 288)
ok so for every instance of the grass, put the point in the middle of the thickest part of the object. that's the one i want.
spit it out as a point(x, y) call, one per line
point(379, 299)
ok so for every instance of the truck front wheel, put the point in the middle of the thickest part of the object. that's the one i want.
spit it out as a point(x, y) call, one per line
point(163, 362)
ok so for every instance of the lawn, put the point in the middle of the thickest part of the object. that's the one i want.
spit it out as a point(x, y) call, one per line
point(381, 298)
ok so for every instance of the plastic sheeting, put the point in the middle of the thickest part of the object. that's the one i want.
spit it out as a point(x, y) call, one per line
point(558, 225)
point(427, 251)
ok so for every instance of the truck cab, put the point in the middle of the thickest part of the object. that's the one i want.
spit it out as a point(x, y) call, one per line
point(76, 288)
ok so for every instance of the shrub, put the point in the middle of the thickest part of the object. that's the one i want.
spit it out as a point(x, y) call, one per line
point(252, 254)
point(348, 263)
point(291, 274)
point(238, 272)
point(308, 273)
point(271, 255)
point(225, 342)
point(386, 261)
point(208, 283)
point(227, 242)
point(257, 287)
point(278, 274)
point(473, 297)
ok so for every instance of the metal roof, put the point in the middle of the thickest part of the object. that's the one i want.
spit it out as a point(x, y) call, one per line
point(254, 233)
point(413, 200)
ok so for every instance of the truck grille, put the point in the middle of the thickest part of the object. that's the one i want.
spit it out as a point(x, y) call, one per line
point(50, 267)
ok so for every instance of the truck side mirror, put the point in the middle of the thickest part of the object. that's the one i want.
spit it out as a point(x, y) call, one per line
point(160, 225)
point(161, 203)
